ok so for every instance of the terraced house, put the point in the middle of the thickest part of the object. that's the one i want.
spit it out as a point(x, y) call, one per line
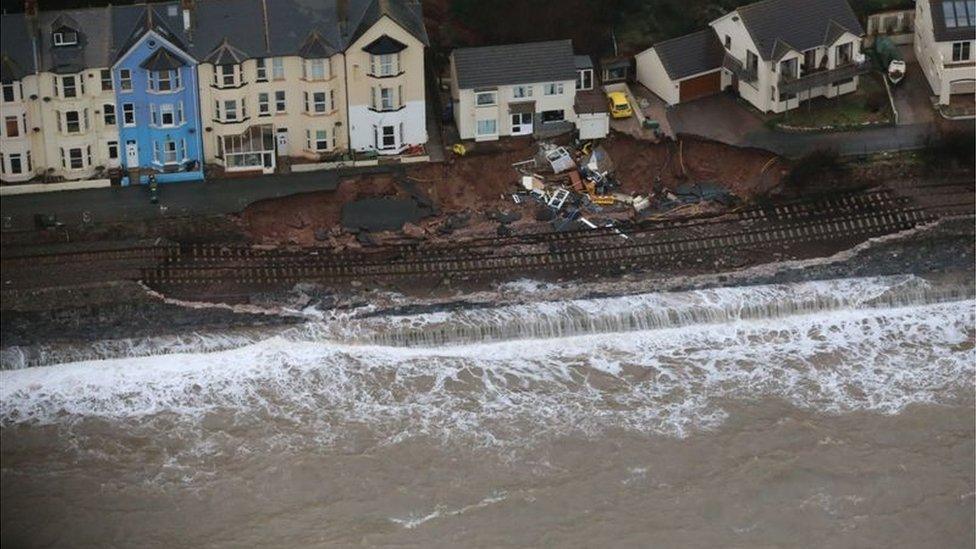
point(165, 89)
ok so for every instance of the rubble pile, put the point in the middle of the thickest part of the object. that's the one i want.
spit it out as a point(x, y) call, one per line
point(577, 185)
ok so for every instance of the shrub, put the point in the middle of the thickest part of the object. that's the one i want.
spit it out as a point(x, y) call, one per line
point(820, 166)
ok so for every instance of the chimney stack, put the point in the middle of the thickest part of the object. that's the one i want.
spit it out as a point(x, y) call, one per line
point(342, 14)
point(187, 6)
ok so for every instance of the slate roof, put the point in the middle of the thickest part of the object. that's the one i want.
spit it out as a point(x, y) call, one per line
point(163, 60)
point(690, 54)
point(93, 27)
point(944, 33)
point(777, 26)
point(238, 28)
point(582, 61)
point(514, 64)
point(17, 57)
point(225, 54)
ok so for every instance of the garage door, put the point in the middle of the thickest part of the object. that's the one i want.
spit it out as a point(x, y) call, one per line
point(700, 86)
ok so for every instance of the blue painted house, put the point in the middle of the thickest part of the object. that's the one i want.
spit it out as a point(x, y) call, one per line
point(157, 97)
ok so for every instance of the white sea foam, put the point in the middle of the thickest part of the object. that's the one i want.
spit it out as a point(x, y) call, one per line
point(669, 380)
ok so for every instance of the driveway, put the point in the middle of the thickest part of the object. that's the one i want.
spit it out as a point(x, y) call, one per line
point(912, 96)
point(721, 118)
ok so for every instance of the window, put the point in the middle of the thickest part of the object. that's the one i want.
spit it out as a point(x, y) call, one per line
point(728, 42)
point(810, 60)
point(389, 137)
point(11, 126)
point(108, 114)
point(332, 100)
point(125, 80)
point(553, 116)
point(16, 165)
point(787, 68)
point(128, 115)
point(264, 105)
point(167, 116)
point(316, 69)
point(386, 99)
point(961, 51)
point(315, 102)
point(277, 68)
point(68, 87)
point(65, 37)
point(181, 118)
point(384, 65)
point(279, 101)
point(584, 79)
point(72, 122)
point(169, 152)
point(959, 13)
point(262, 70)
point(519, 92)
point(317, 140)
point(843, 54)
point(484, 99)
point(106, 80)
point(153, 115)
point(113, 150)
point(230, 110)
point(487, 127)
point(611, 74)
point(164, 81)
point(752, 63)
point(8, 93)
point(225, 75)
point(76, 159)
point(554, 88)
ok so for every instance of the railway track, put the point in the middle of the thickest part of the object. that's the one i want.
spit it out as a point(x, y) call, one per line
point(843, 217)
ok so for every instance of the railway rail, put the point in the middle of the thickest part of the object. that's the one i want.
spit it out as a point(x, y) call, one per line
point(845, 216)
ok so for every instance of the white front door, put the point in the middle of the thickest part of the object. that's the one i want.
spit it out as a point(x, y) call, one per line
point(131, 154)
point(282, 135)
point(522, 123)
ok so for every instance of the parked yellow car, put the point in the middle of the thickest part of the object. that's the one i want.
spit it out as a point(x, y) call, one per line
point(619, 106)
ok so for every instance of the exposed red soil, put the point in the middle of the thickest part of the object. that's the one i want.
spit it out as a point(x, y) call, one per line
point(482, 182)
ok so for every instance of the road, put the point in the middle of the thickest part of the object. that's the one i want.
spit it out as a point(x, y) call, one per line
point(116, 204)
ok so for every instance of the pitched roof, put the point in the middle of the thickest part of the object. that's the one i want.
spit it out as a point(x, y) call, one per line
point(225, 54)
point(798, 24)
point(94, 35)
point(16, 53)
point(162, 60)
point(384, 45)
point(514, 64)
point(242, 28)
point(690, 54)
point(946, 13)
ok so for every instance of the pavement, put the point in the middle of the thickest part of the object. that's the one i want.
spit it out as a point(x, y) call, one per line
point(721, 118)
point(114, 204)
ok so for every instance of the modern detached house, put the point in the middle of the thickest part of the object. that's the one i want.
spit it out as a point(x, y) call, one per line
point(521, 89)
point(945, 36)
point(774, 54)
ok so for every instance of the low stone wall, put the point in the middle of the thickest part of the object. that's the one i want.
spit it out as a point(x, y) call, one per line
point(34, 188)
point(320, 166)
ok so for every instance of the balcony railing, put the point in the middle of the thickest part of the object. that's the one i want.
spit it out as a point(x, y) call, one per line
point(739, 69)
point(796, 84)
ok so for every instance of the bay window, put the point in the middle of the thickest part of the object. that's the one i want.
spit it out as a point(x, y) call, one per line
point(384, 65)
point(316, 69)
point(164, 81)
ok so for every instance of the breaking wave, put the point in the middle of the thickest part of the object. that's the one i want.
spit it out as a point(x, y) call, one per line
point(653, 363)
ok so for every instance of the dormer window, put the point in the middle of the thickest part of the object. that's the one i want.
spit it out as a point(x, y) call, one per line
point(317, 69)
point(65, 37)
point(387, 64)
point(225, 76)
point(164, 81)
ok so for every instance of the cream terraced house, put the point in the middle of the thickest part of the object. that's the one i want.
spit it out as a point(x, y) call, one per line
point(945, 37)
point(773, 53)
point(514, 89)
point(296, 79)
point(64, 96)
point(17, 83)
